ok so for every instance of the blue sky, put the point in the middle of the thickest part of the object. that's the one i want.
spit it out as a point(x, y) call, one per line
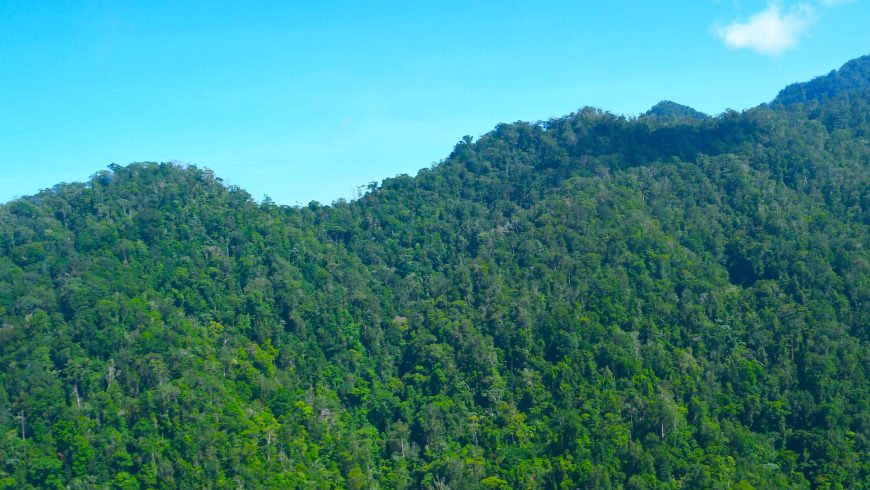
point(308, 100)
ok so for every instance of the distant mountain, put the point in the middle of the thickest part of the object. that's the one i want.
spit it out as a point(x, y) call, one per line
point(853, 76)
point(592, 301)
point(671, 111)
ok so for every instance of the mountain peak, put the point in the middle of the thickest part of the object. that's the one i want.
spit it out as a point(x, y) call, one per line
point(852, 76)
point(668, 110)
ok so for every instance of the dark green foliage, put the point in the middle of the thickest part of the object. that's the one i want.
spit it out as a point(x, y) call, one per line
point(589, 302)
point(851, 77)
point(667, 110)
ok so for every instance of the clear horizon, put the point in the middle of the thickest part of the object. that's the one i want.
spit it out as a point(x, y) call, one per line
point(302, 102)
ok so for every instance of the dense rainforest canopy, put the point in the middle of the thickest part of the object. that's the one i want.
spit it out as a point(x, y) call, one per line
point(671, 301)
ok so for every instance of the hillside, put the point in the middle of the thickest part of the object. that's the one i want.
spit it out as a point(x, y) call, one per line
point(852, 79)
point(588, 302)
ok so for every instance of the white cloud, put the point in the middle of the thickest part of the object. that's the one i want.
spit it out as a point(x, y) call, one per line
point(770, 31)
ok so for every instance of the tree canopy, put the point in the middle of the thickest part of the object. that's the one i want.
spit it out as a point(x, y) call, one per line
point(591, 301)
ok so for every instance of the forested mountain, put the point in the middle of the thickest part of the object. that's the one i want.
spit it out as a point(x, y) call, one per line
point(586, 302)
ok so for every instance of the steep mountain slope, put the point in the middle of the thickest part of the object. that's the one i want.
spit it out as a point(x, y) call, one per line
point(587, 302)
point(853, 78)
